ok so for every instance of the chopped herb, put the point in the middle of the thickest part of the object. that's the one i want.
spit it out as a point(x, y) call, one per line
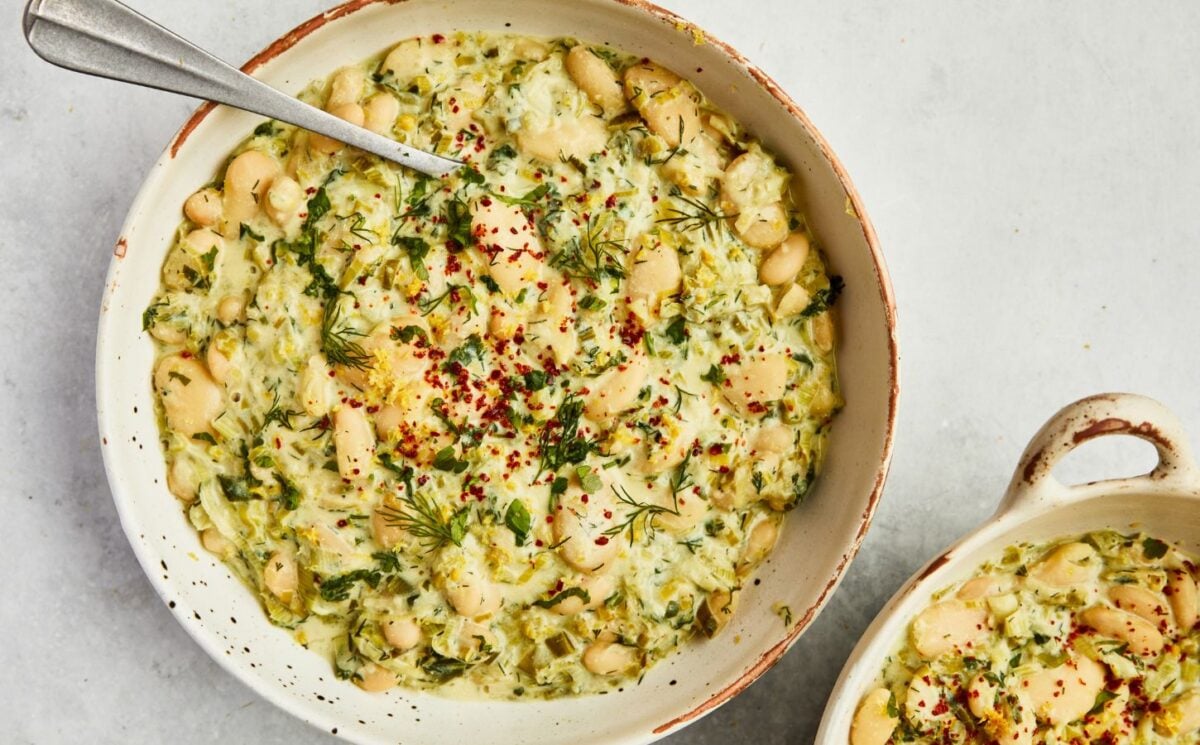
point(455, 293)
point(407, 334)
point(236, 490)
point(591, 258)
point(701, 216)
point(591, 302)
point(266, 129)
point(824, 299)
point(535, 380)
point(445, 461)
point(715, 375)
point(518, 520)
point(560, 442)
point(470, 175)
point(677, 331)
point(172, 375)
point(1102, 698)
point(589, 481)
point(458, 224)
point(150, 315)
point(337, 589)
point(442, 668)
point(530, 199)
point(245, 231)
point(206, 437)
point(490, 284)
point(570, 592)
point(1154, 548)
point(417, 249)
point(470, 351)
point(338, 340)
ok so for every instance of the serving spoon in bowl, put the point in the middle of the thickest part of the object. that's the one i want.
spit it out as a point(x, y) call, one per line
point(111, 40)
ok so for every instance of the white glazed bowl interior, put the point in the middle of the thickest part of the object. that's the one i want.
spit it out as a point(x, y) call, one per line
point(1165, 504)
point(821, 536)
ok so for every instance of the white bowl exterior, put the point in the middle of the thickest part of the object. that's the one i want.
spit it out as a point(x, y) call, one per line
point(821, 536)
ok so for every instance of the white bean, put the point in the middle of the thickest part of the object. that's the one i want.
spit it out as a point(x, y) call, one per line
point(619, 390)
point(609, 658)
point(414, 57)
point(564, 138)
point(774, 439)
point(510, 243)
point(1067, 692)
point(384, 529)
point(981, 695)
point(755, 383)
point(557, 329)
point(595, 78)
point(923, 702)
point(218, 364)
point(694, 169)
point(1181, 590)
point(214, 542)
point(984, 587)
point(783, 264)
point(759, 543)
point(350, 112)
point(403, 633)
point(874, 723)
point(380, 112)
point(281, 575)
point(204, 207)
point(762, 227)
point(793, 300)
point(354, 440)
point(283, 200)
point(247, 178)
point(474, 596)
point(181, 480)
point(1067, 566)
point(821, 329)
point(1141, 636)
point(948, 626)
point(1143, 603)
point(184, 265)
point(375, 678)
point(346, 86)
point(598, 586)
point(191, 398)
point(654, 272)
point(315, 394)
point(669, 105)
point(579, 528)
point(230, 309)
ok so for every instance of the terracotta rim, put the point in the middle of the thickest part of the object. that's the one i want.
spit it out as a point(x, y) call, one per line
point(767, 659)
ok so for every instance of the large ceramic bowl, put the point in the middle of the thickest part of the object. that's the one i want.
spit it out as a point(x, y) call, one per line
point(821, 536)
point(1164, 503)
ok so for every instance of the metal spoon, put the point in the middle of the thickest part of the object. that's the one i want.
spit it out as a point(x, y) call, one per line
point(108, 39)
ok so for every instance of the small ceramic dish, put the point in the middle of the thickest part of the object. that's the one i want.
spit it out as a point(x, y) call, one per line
point(1037, 508)
point(820, 538)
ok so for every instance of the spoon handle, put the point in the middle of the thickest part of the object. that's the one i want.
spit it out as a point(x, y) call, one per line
point(110, 40)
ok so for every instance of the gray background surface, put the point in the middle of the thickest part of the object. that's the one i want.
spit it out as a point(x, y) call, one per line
point(1033, 171)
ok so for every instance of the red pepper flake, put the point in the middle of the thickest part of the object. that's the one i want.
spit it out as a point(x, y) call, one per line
point(343, 523)
point(549, 518)
point(438, 38)
point(602, 540)
point(611, 202)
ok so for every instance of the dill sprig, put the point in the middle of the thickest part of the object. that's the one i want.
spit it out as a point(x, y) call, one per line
point(645, 513)
point(560, 442)
point(337, 340)
point(701, 216)
point(423, 520)
point(591, 257)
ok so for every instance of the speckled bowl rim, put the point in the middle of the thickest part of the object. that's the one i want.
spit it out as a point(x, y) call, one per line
point(768, 658)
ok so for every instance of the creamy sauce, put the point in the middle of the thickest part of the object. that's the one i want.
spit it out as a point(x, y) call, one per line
point(522, 431)
point(1085, 640)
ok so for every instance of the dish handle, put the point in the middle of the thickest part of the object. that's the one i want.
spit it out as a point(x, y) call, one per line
point(1097, 416)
